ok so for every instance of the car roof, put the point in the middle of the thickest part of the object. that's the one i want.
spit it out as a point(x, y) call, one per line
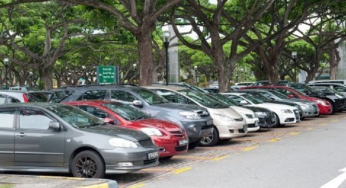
point(169, 87)
point(31, 104)
point(326, 83)
point(13, 91)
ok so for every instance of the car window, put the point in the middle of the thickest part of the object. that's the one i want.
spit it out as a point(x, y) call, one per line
point(2, 99)
point(34, 119)
point(122, 96)
point(126, 111)
point(7, 118)
point(150, 96)
point(37, 97)
point(59, 96)
point(12, 100)
point(94, 111)
point(93, 95)
point(340, 88)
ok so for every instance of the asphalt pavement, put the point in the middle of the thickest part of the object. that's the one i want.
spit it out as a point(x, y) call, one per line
point(309, 159)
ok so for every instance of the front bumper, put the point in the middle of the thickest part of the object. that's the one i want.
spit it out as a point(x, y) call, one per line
point(231, 129)
point(252, 125)
point(287, 118)
point(267, 121)
point(137, 156)
point(197, 129)
point(325, 109)
point(311, 111)
point(169, 145)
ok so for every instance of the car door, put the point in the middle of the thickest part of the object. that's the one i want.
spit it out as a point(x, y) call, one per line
point(7, 124)
point(98, 113)
point(35, 143)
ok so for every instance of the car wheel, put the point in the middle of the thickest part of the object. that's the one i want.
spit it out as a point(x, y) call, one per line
point(166, 158)
point(211, 139)
point(278, 121)
point(88, 164)
point(333, 108)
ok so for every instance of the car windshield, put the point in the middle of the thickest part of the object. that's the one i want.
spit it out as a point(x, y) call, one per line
point(126, 111)
point(75, 117)
point(203, 99)
point(37, 97)
point(224, 99)
point(59, 96)
point(252, 99)
point(278, 94)
point(150, 96)
point(260, 97)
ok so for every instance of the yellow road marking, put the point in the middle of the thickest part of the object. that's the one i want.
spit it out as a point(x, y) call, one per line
point(294, 133)
point(250, 148)
point(181, 170)
point(158, 169)
point(103, 185)
point(274, 139)
point(137, 185)
point(219, 158)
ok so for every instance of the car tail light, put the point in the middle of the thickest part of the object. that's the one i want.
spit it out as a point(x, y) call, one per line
point(25, 98)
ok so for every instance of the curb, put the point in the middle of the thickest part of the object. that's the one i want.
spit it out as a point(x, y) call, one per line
point(101, 183)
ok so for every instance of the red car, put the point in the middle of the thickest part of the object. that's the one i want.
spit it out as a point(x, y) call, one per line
point(169, 137)
point(323, 105)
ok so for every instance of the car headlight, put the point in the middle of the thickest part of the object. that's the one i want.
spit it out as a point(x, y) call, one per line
point(321, 102)
point(151, 131)
point(223, 117)
point(339, 96)
point(189, 115)
point(287, 111)
point(122, 143)
point(260, 113)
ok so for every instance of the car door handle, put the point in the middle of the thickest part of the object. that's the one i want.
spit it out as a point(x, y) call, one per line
point(21, 134)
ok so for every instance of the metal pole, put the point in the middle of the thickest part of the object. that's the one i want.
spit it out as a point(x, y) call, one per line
point(6, 70)
point(166, 43)
point(295, 69)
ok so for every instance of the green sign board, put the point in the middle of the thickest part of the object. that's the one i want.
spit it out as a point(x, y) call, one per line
point(107, 75)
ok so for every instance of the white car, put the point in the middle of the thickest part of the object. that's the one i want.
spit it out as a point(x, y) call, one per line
point(228, 123)
point(250, 118)
point(284, 113)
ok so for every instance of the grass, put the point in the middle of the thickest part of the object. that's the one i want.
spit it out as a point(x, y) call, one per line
point(6, 185)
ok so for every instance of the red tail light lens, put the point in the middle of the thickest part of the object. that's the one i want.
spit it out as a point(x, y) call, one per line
point(25, 98)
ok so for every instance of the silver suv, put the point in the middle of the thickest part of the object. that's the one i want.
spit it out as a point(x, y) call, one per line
point(194, 119)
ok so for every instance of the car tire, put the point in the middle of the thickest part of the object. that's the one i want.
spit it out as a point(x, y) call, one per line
point(88, 164)
point(278, 121)
point(333, 108)
point(211, 140)
point(165, 158)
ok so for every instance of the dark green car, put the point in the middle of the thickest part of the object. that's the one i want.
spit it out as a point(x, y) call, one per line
point(51, 137)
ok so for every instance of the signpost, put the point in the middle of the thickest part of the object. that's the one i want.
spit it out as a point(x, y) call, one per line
point(108, 75)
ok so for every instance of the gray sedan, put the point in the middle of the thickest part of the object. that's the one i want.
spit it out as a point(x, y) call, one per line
point(59, 138)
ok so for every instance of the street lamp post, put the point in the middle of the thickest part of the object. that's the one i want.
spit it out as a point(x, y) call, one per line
point(134, 69)
point(166, 36)
point(30, 78)
point(196, 75)
point(6, 60)
point(294, 57)
point(241, 75)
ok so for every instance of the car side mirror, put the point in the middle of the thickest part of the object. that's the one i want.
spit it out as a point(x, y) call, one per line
point(137, 103)
point(54, 125)
point(243, 102)
point(109, 121)
point(290, 96)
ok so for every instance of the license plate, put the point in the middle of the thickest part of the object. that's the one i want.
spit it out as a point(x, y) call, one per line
point(153, 155)
point(183, 142)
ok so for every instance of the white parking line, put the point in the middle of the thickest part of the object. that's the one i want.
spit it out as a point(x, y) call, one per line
point(336, 182)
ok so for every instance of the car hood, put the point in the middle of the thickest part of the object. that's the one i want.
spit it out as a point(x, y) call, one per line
point(297, 100)
point(159, 124)
point(242, 110)
point(283, 102)
point(275, 106)
point(230, 112)
point(180, 107)
point(256, 109)
point(111, 130)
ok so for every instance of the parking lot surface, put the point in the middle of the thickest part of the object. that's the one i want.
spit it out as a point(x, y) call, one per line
point(181, 163)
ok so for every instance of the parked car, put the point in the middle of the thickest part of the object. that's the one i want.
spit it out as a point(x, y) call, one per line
point(212, 90)
point(284, 114)
point(228, 123)
point(329, 81)
point(323, 105)
point(169, 137)
point(14, 96)
point(335, 86)
point(44, 95)
point(60, 138)
point(195, 120)
point(338, 102)
point(306, 108)
point(266, 118)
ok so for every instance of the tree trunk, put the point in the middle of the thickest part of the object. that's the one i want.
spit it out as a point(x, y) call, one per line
point(47, 78)
point(145, 58)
